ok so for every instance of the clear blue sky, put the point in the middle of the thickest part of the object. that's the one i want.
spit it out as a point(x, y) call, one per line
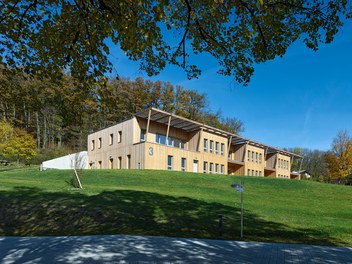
point(300, 100)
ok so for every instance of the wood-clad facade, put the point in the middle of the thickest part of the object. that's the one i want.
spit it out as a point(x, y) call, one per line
point(154, 139)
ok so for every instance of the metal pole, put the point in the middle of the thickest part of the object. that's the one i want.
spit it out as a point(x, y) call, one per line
point(242, 209)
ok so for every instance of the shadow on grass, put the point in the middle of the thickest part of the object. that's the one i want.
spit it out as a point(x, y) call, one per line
point(32, 212)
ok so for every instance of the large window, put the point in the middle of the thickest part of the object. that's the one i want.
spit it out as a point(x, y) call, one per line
point(169, 162)
point(171, 141)
point(211, 146)
point(205, 145)
point(222, 147)
point(143, 135)
point(183, 164)
point(160, 139)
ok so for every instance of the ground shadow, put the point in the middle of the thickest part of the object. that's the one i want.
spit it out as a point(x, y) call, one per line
point(33, 212)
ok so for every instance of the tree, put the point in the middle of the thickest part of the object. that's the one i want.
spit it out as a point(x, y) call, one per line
point(339, 159)
point(47, 37)
point(20, 145)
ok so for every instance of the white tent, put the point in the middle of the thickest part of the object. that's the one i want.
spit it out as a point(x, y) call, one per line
point(77, 160)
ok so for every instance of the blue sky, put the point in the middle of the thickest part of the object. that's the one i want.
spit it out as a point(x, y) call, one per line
point(300, 100)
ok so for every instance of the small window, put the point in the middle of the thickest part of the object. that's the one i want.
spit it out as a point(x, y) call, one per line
point(260, 158)
point(249, 172)
point(119, 164)
point(128, 161)
point(205, 144)
point(211, 168)
point(256, 173)
point(256, 157)
point(99, 164)
point(260, 173)
point(249, 156)
point(169, 162)
point(111, 163)
point(93, 145)
point(183, 164)
point(222, 147)
point(205, 167)
point(216, 168)
point(143, 135)
point(222, 167)
point(119, 140)
point(252, 172)
point(111, 139)
point(99, 142)
point(216, 147)
point(252, 156)
point(211, 146)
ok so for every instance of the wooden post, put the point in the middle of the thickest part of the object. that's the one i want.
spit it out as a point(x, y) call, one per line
point(168, 129)
point(229, 146)
point(147, 132)
point(199, 139)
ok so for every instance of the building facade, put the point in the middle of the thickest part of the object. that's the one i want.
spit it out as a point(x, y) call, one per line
point(154, 139)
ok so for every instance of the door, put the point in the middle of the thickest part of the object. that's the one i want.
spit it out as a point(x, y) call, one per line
point(195, 165)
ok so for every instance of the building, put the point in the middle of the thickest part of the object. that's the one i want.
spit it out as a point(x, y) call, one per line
point(154, 139)
point(73, 161)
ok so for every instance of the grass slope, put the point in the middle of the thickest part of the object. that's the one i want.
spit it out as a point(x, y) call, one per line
point(173, 204)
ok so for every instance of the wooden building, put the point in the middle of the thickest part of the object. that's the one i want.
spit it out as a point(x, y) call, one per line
point(154, 139)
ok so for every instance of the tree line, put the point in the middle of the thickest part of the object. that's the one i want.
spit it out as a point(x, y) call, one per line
point(60, 114)
point(334, 165)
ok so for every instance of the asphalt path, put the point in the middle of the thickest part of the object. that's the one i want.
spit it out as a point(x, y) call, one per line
point(147, 249)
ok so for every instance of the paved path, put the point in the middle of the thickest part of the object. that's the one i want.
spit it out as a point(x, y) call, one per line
point(140, 249)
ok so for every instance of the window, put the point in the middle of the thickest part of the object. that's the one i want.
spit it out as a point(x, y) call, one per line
point(111, 139)
point(93, 145)
point(119, 165)
point(99, 164)
point(222, 167)
point(216, 147)
point(260, 173)
point(211, 146)
point(211, 168)
point(171, 141)
point(260, 158)
point(222, 146)
point(205, 144)
point(99, 142)
point(249, 156)
point(256, 173)
point(183, 164)
point(169, 162)
point(128, 161)
point(205, 167)
point(216, 168)
point(119, 140)
point(256, 157)
point(252, 156)
point(160, 139)
point(252, 172)
point(249, 172)
point(143, 135)
point(111, 163)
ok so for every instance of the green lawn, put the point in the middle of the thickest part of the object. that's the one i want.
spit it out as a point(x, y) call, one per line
point(173, 204)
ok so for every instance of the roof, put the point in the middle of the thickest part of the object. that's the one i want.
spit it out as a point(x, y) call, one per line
point(188, 125)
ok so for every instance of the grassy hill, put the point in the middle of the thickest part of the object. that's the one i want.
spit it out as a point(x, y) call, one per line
point(174, 204)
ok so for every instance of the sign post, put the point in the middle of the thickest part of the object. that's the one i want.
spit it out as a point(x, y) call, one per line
point(240, 188)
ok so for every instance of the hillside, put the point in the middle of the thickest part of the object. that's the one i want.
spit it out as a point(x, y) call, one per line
point(174, 204)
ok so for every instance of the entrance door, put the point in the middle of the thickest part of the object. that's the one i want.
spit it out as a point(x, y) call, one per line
point(195, 165)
